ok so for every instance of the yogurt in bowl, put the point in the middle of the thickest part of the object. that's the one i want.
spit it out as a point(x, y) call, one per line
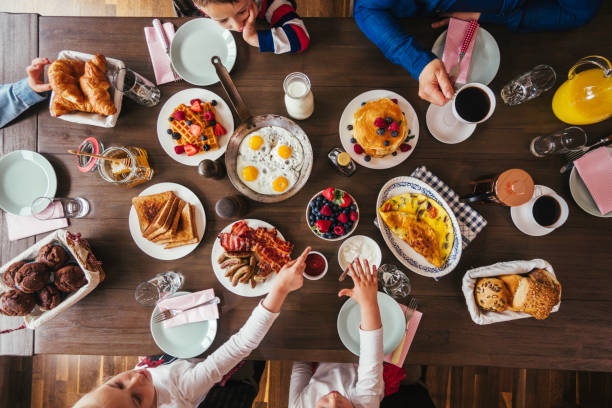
point(359, 246)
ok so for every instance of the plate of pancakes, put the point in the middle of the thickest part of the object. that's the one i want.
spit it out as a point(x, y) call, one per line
point(379, 129)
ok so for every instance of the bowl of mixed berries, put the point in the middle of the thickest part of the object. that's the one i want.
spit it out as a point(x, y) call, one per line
point(332, 214)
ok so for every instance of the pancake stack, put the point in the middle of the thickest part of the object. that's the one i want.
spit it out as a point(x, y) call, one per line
point(380, 127)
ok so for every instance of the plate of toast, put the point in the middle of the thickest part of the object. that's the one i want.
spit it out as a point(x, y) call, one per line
point(167, 221)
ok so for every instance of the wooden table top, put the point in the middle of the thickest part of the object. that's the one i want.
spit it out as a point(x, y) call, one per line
point(341, 64)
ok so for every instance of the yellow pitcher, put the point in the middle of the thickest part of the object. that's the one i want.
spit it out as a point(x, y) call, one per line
point(586, 97)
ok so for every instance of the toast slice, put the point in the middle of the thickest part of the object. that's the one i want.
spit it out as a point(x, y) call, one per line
point(163, 222)
point(187, 233)
point(148, 207)
point(168, 236)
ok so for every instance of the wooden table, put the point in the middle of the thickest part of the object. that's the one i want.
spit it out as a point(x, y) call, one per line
point(341, 64)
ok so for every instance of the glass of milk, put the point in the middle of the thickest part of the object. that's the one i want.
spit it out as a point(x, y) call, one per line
point(298, 96)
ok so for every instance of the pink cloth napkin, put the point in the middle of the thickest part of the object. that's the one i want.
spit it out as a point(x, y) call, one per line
point(159, 58)
point(199, 314)
point(398, 356)
point(454, 39)
point(595, 168)
point(19, 227)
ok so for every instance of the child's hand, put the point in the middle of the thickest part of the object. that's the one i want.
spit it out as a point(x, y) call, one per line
point(36, 75)
point(366, 284)
point(291, 276)
point(248, 32)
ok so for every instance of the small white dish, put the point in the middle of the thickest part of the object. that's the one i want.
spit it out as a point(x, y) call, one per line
point(522, 215)
point(581, 195)
point(352, 245)
point(443, 132)
point(322, 274)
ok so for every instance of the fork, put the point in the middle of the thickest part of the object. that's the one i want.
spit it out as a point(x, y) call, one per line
point(170, 313)
point(411, 308)
point(574, 155)
point(160, 33)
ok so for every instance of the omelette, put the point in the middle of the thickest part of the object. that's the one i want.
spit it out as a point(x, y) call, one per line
point(422, 223)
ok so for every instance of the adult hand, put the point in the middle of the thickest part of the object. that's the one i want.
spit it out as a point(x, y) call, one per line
point(289, 278)
point(434, 84)
point(36, 75)
point(365, 280)
point(461, 15)
point(249, 34)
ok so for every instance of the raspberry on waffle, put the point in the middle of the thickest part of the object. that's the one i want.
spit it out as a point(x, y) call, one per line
point(208, 131)
point(181, 127)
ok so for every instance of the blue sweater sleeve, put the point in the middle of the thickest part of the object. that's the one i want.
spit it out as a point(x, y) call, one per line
point(539, 15)
point(376, 19)
point(15, 99)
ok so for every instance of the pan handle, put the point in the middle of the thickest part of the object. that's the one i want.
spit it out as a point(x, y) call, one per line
point(231, 91)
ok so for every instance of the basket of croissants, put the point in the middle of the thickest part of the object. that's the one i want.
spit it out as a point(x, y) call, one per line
point(48, 277)
point(511, 290)
point(82, 91)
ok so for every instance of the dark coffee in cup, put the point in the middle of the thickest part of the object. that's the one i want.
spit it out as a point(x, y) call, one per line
point(472, 104)
point(546, 210)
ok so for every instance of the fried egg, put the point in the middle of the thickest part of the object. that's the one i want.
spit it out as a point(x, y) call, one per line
point(288, 152)
point(256, 145)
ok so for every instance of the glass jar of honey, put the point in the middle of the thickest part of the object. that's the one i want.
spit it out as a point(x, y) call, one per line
point(126, 166)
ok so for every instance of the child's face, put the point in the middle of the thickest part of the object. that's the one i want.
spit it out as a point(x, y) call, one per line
point(232, 16)
point(130, 389)
point(334, 400)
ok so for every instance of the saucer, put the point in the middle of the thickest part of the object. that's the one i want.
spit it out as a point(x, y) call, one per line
point(522, 215)
point(442, 132)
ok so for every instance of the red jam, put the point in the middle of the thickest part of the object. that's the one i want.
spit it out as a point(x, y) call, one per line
point(315, 265)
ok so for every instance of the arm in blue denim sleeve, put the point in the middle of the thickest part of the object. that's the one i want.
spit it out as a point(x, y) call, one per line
point(540, 15)
point(15, 99)
point(376, 20)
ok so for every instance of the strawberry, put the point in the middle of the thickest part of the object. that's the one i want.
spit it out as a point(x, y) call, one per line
point(219, 130)
point(404, 147)
point(326, 210)
point(191, 149)
point(354, 216)
point(194, 100)
point(344, 200)
point(339, 230)
point(195, 129)
point(179, 115)
point(357, 148)
point(380, 123)
point(343, 218)
point(208, 115)
point(394, 126)
point(195, 105)
point(180, 149)
point(329, 193)
point(322, 226)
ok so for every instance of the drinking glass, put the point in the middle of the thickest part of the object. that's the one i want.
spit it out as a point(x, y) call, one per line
point(136, 87)
point(529, 85)
point(47, 208)
point(393, 281)
point(560, 142)
point(162, 285)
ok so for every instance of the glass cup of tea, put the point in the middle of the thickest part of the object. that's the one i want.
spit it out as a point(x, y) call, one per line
point(48, 208)
point(162, 285)
point(542, 214)
point(560, 142)
point(454, 122)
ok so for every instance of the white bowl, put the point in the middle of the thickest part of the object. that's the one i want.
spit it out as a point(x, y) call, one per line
point(337, 238)
point(377, 252)
point(322, 274)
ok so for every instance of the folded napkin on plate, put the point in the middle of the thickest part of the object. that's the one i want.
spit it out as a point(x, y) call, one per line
point(454, 39)
point(200, 314)
point(470, 221)
point(398, 356)
point(159, 58)
point(22, 227)
point(595, 169)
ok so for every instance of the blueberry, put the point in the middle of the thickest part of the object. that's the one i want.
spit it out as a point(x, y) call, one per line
point(188, 123)
point(389, 120)
point(394, 154)
point(353, 140)
point(176, 135)
point(349, 225)
point(363, 103)
point(213, 102)
point(336, 207)
point(206, 147)
point(169, 131)
point(380, 131)
point(395, 133)
point(212, 122)
point(204, 138)
point(170, 119)
point(353, 207)
point(346, 212)
point(367, 158)
point(312, 223)
point(386, 143)
point(349, 127)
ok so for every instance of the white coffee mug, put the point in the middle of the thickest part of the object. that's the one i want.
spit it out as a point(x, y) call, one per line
point(482, 87)
point(523, 217)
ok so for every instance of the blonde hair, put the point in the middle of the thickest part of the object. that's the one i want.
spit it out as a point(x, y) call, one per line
point(204, 3)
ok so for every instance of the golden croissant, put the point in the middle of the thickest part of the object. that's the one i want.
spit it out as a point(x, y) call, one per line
point(80, 86)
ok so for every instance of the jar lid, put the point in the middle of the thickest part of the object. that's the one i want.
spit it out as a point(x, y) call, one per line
point(90, 145)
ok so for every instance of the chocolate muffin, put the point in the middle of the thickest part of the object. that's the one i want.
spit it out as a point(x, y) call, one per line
point(53, 256)
point(70, 278)
point(15, 303)
point(32, 277)
point(48, 297)
point(9, 275)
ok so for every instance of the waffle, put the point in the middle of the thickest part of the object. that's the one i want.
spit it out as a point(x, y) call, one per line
point(197, 118)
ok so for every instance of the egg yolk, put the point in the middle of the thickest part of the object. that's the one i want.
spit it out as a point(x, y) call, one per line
point(280, 184)
point(284, 151)
point(255, 142)
point(250, 173)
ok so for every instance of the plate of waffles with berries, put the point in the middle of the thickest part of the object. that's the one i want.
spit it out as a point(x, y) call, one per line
point(193, 125)
point(379, 129)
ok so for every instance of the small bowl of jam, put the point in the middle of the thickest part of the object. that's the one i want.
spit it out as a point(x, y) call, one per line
point(316, 266)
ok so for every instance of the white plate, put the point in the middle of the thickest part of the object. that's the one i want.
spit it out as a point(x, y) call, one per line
point(485, 57)
point(581, 194)
point(347, 119)
point(441, 131)
point(156, 250)
point(222, 111)
point(404, 252)
point(242, 289)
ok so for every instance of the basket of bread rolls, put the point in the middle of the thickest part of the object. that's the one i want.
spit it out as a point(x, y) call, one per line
point(81, 88)
point(511, 290)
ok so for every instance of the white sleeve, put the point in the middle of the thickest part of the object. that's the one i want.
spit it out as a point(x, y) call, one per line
point(197, 381)
point(300, 377)
point(370, 387)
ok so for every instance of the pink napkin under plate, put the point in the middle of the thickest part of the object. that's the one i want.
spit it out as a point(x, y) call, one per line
point(159, 58)
point(200, 314)
point(19, 227)
point(452, 46)
point(398, 356)
point(595, 169)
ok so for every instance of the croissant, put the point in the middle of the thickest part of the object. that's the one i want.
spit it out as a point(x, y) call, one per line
point(95, 86)
point(64, 79)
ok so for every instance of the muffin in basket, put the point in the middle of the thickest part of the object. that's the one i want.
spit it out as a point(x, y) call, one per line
point(9, 275)
point(70, 278)
point(15, 303)
point(32, 277)
point(48, 297)
point(52, 255)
